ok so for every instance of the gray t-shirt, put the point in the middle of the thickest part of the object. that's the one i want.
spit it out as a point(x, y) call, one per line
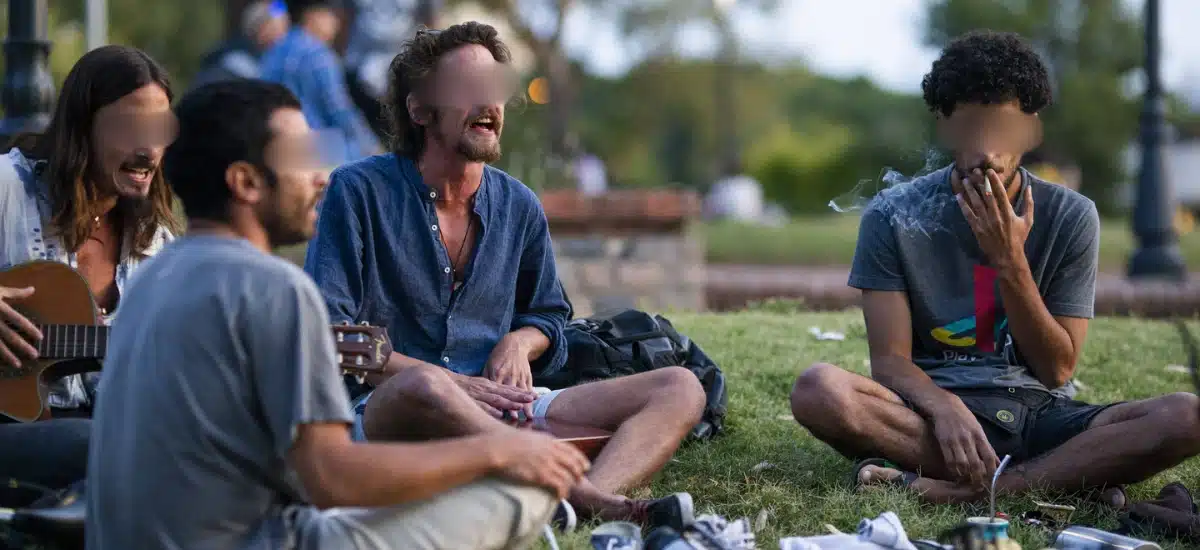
point(219, 353)
point(914, 238)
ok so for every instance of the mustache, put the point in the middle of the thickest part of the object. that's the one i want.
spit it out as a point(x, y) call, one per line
point(139, 163)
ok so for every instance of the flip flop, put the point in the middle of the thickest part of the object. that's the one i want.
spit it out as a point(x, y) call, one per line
point(904, 480)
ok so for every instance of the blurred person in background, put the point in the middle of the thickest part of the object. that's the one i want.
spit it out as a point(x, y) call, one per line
point(379, 30)
point(305, 62)
point(263, 24)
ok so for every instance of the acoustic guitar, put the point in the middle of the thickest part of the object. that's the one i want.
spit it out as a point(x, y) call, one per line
point(74, 341)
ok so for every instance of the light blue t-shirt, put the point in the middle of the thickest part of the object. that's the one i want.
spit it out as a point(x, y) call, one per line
point(221, 353)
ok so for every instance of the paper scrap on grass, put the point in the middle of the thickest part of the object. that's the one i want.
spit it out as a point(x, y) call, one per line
point(826, 335)
point(1178, 368)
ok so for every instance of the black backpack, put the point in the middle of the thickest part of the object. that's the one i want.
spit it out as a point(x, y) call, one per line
point(632, 341)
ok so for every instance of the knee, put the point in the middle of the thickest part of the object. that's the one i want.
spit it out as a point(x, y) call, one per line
point(684, 391)
point(423, 385)
point(1181, 413)
point(817, 395)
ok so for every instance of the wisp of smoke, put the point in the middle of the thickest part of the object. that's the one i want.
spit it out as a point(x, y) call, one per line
point(898, 197)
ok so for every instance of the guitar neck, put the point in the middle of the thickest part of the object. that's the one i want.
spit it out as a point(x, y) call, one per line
point(73, 341)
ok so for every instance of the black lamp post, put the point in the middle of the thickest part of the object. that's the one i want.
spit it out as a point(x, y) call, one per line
point(28, 90)
point(1158, 254)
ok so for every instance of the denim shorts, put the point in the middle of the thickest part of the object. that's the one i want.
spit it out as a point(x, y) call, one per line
point(540, 406)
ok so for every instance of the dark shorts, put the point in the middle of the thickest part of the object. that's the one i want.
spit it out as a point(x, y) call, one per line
point(1026, 423)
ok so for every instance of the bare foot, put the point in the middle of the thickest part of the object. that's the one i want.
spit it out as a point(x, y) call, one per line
point(928, 489)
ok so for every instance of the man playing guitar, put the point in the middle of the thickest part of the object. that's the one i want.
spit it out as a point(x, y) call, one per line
point(87, 193)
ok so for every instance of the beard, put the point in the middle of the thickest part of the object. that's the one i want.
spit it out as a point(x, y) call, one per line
point(479, 152)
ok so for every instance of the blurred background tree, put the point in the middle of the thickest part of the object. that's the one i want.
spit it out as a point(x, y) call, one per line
point(806, 137)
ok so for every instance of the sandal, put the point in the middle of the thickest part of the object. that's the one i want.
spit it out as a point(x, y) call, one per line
point(904, 480)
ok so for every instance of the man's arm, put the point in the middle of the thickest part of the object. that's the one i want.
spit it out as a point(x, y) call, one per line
point(336, 471)
point(331, 83)
point(889, 338)
point(541, 306)
point(1049, 330)
point(334, 258)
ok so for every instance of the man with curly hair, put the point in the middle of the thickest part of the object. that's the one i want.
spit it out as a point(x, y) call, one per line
point(976, 312)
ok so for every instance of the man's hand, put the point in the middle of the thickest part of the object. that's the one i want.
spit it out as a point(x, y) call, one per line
point(508, 365)
point(18, 335)
point(495, 398)
point(532, 457)
point(1000, 231)
point(965, 448)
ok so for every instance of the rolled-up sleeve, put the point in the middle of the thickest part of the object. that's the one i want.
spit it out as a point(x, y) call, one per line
point(540, 301)
point(334, 257)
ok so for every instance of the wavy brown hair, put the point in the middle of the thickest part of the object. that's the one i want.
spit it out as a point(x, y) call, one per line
point(101, 77)
point(412, 68)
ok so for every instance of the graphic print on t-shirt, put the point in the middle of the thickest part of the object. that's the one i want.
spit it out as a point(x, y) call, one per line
point(982, 330)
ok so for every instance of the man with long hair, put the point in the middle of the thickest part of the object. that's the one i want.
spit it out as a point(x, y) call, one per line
point(87, 192)
point(225, 394)
point(454, 257)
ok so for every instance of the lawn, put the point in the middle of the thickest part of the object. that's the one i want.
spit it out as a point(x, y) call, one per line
point(829, 240)
point(765, 466)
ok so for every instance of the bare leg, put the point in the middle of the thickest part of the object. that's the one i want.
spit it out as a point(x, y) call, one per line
point(649, 414)
point(1125, 444)
point(421, 403)
point(870, 420)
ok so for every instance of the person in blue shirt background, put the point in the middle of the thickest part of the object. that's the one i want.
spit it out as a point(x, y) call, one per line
point(305, 63)
point(454, 257)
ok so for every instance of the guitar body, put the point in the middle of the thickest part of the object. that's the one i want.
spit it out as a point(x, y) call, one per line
point(60, 297)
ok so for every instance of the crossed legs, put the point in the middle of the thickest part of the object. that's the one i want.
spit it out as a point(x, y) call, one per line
point(1126, 443)
point(649, 414)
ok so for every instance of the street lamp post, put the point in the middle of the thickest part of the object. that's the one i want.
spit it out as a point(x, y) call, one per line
point(1158, 253)
point(28, 90)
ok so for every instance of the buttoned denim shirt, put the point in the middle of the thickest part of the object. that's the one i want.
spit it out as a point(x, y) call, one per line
point(25, 235)
point(378, 258)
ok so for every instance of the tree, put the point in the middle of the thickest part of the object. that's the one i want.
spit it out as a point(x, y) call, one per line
point(1091, 46)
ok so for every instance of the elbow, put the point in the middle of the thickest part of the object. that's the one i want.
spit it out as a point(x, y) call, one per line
point(326, 484)
point(1061, 372)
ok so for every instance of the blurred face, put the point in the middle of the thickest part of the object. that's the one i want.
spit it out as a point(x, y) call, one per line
point(288, 208)
point(468, 92)
point(128, 140)
point(323, 24)
point(989, 136)
point(271, 31)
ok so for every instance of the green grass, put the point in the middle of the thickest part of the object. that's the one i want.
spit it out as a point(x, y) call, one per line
point(801, 488)
point(829, 240)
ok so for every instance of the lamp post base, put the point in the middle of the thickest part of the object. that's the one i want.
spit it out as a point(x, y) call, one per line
point(1162, 262)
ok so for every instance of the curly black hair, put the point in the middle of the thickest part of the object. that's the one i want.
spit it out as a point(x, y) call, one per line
point(987, 67)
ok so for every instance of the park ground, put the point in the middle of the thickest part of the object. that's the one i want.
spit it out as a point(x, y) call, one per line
point(765, 467)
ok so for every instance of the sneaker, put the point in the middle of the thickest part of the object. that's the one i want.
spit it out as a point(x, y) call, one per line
point(666, 538)
point(717, 533)
point(675, 511)
point(617, 535)
point(564, 518)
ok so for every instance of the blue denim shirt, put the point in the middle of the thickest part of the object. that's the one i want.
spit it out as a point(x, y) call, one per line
point(377, 257)
point(312, 71)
